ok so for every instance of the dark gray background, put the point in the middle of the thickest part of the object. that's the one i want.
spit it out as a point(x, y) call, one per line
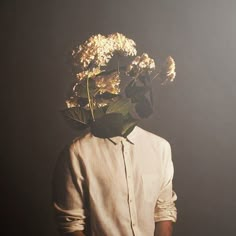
point(196, 113)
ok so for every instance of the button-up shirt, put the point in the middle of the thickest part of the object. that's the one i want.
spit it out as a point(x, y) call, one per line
point(116, 187)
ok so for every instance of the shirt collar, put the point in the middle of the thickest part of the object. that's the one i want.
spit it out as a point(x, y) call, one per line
point(130, 138)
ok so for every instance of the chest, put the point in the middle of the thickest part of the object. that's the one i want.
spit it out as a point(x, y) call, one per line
point(123, 168)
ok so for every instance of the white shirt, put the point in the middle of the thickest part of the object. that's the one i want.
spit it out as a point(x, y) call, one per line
point(116, 186)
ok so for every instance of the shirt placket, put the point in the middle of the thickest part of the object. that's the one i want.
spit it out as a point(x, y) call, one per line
point(130, 186)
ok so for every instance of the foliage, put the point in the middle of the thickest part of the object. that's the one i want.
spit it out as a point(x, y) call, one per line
point(96, 100)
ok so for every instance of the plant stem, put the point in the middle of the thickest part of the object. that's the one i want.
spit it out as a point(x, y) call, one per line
point(155, 76)
point(118, 65)
point(90, 100)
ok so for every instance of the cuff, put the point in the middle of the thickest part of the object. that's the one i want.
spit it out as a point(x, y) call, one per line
point(165, 210)
point(69, 221)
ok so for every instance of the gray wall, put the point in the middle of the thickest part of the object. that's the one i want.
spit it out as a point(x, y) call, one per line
point(196, 114)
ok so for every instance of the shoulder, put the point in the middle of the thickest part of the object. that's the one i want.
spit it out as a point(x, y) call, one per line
point(87, 145)
point(85, 137)
point(145, 136)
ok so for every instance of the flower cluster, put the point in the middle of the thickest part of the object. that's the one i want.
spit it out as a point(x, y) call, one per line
point(72, 102)
point(168, 70)
point(108, 83)
point(96, 92)
point(141, 65)
point(95, 50)
point(88, 73)
point(98, 50)
point(119, 43)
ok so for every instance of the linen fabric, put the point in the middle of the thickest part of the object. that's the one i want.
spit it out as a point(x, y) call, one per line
point(117, 186)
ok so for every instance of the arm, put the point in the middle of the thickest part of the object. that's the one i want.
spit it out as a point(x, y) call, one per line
point(69, 194)
point(165, 210)
point(163, 228)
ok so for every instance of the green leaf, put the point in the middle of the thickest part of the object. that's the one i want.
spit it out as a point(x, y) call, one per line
point(122, 106)
point(144, 78)
point(108, 126)
point(144, 108)
point(77, 114)
point(98, 113)
point(135, 92)
point(82, 89)
point(128, 126)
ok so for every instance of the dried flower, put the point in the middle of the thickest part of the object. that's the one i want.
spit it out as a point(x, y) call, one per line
point(98, 103)
point(82, 75)
point(101, 104)
point(88, 73)
point(170, 66)
point(108, 83)
point(90, 90)
point(98, 50)
point(121, 44)
point(71, 102)
point(95, 50)
point(168, 70)
point(141, 65)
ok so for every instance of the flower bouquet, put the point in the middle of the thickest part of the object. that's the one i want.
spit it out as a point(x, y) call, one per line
point(98, 101)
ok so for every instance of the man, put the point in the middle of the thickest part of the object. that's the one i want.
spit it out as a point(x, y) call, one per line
point(116, 179)
point(116, 186)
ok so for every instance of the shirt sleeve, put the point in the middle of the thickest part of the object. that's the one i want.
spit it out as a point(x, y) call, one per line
point(165, 207)
point(68, 192)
